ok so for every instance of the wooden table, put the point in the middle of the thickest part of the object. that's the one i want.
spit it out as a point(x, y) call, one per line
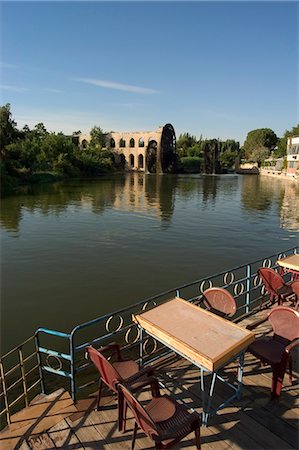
point(289, 264)
point(207, 340)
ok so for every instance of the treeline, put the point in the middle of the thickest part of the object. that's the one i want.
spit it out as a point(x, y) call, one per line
point(34, 155)
point(216, 156)
point(206, 155)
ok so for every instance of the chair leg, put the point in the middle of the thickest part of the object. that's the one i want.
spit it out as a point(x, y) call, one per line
point(290, 370)
point(277, 380)
point(99, 394)
point(125, 410)
point(197, 436)
point(134, 436)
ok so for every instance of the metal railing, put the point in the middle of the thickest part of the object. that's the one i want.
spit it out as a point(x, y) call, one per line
point(64, 364)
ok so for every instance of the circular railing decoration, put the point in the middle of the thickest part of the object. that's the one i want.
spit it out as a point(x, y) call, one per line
point(239, 289)
point(263, 290)
point(257, 281)
point(132, 335)
point(109, 325)
point(51, 359)
point(267, 263)
point(228, 278)
point(149, 345)
point(202, 287)
point(146, 304)
point(281, 255)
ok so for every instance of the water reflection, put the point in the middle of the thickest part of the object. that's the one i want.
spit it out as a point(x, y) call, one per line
point(263, 193)
point(153, 195)
point(136, 192)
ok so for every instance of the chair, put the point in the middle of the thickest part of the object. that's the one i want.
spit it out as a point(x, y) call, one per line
point(125, 371)
point(162, 419)
point(295, 289)
point(276, 351)
point(219, 301)
point(275, 285)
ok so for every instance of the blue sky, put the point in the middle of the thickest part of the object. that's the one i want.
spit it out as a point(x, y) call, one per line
point(219, 69)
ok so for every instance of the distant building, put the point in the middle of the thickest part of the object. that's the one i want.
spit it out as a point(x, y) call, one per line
point(145, 151)
point(292, 155)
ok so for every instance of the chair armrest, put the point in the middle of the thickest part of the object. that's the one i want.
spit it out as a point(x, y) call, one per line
point(292, 344)
point(255, 324)
point(114, 347)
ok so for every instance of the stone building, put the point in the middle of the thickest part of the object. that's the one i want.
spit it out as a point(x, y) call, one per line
point(145, 151)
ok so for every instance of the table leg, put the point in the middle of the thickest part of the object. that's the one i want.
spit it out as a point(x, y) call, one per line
point(141, 346)
point(240, 374)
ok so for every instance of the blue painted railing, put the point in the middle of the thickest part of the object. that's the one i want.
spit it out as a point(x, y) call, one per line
point(242, 281)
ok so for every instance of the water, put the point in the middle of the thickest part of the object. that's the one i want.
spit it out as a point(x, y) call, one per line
point(73, 251)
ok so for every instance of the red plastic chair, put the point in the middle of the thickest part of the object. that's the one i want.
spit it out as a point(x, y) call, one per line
point(162, 419)
point(219, 301)
point(276, 351)
point(275, 285)
point(125, 371)
point(295, 289)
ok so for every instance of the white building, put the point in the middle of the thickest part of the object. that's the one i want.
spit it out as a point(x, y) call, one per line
point(292, 155)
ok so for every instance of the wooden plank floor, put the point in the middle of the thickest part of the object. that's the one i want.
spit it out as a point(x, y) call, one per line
point(254, 422)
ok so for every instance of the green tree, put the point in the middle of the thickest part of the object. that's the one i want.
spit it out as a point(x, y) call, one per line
point(258, 144)
point(8, 130)
point(184, 143)
point(229, 151)
point(97, 138)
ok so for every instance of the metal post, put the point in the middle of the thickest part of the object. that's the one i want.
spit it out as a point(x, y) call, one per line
point(141, 346)
point(40, 369)
point(203, 399)
point(73, 369)
point(4, 393)
point(211, 391)
point(23, 375)
point(240, 374)
point(248, 283)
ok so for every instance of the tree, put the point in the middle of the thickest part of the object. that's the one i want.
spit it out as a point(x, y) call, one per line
point(8, 130)
point(259, 143)
point(184, 143)
point(229, 151)
point(97, 138)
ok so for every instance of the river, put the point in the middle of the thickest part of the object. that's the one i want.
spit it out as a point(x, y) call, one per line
point(72, 251)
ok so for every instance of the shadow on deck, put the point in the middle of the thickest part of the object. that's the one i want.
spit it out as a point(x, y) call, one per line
point(254, 422)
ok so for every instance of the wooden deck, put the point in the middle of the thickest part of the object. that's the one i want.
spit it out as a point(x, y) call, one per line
point(254, 422)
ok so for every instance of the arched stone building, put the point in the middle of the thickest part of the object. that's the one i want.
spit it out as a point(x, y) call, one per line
point(145, 151)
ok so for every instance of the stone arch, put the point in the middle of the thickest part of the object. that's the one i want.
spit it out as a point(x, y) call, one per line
point(140, 161)
point(84, 143)
point(112, 143)
point(122, 160)
point(141, 142)
point(122, 143)
point(132, 143)
point(131, 160)
point(151, 156)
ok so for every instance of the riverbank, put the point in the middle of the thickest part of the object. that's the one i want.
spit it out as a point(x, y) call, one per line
point(278, 174)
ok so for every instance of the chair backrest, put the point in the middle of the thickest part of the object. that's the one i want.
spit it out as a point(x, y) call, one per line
point(295, 289)
point(285, 322)
point(142, 418)
point(220, 301)
point(107, 372)
point(272, 280)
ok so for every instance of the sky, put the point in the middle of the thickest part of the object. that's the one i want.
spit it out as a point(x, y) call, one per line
point(216, 69)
